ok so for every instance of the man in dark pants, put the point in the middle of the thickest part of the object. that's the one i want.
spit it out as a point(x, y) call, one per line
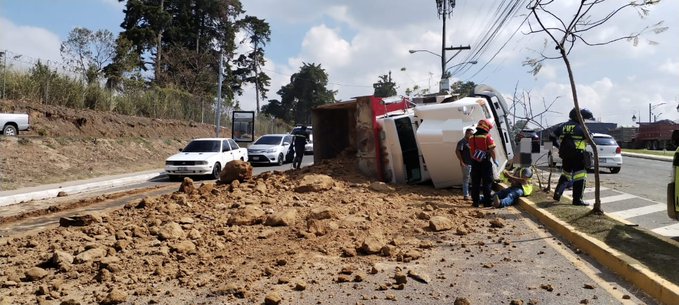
point(301, 137)
point(482, 149)
point(572, 155)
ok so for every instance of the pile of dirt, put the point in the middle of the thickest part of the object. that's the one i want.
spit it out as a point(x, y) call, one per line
point(68, 144)
point(266, 239)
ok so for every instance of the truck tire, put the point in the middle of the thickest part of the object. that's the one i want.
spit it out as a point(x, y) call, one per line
point(9, 130)
point(216, 170)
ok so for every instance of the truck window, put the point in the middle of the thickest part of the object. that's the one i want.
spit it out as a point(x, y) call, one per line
point(411, 156)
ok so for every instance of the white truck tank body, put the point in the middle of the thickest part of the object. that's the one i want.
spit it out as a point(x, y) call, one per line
point(441, 128)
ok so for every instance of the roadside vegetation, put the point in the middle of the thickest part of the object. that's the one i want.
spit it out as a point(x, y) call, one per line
point(656, 252)
point(664, 153)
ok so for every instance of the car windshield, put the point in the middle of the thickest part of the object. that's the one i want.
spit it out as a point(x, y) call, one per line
point(297, 129)
point(202, 146)
point(269, 140)
point(604, 141)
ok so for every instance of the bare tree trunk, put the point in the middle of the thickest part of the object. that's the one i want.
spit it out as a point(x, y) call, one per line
point(159, 47)
point(597, 198)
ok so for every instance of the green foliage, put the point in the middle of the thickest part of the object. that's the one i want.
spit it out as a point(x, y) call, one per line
point(464, 89)
point(87, 52)
point(306, 90)
point(385, 86)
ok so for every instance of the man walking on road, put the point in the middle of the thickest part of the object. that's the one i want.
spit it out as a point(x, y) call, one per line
point(462, 153)
point(301, 137)
point(572, 143)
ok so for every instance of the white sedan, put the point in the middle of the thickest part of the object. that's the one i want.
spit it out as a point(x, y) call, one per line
point(610, 154)
point(204, 157)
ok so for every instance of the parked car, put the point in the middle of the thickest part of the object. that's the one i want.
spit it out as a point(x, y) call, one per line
point(205, 156)
point(532, 135)
point(271, 149)
point(309, 147)
point(12, 123)
point(610, 154)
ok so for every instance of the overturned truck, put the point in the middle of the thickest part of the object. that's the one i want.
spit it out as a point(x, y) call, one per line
point(397, 143)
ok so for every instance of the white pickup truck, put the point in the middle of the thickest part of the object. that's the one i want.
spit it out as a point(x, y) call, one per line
point(205, 156)
point(12, 123)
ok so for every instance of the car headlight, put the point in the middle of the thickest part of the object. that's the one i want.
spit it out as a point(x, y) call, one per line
point(201, 162)
point(168, 162)
point(271, 150)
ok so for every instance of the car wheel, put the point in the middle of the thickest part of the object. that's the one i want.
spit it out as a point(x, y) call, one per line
point(615, 170)
point(9, 130)
point(216, 170)
point(281, 159)
point(551, 161)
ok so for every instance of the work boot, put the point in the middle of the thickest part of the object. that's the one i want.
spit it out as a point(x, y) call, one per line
point(560, 187)
point(578, 189)
point(496, 202)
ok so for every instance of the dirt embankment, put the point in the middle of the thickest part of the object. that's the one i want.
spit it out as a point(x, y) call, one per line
point(68, 144)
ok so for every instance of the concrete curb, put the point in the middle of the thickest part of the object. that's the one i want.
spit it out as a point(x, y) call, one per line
point(52, 190)
point(650, 157)
point(627, 267)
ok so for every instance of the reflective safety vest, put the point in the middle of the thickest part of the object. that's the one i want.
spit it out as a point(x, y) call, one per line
point(527, 187)
point(577, 134)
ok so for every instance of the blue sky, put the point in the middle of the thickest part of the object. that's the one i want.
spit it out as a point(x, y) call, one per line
point(356, 41)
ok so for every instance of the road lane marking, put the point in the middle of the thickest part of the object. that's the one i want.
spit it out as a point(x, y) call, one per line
point(670, 231)
point(615, 198)
point(591, 189)
point(626, 214)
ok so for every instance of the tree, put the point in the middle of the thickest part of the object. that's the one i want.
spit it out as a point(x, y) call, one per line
point(88, 52)
point(564, 34)
point(276, 109)
point(259, 35)
point(306, 90)
point(464, 89)
point(385, 86)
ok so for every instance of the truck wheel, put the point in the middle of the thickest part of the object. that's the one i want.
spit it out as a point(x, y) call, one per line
point(216, 170)
point(9, 130)
point(281, 159)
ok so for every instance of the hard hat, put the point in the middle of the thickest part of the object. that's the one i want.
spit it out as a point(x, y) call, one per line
point(485, 124)
point(586, 114)
point(525, 172)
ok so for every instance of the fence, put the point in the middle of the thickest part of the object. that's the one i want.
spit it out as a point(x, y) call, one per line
point(52, 82)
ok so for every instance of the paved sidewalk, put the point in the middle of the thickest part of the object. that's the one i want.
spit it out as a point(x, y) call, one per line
point(646, 156)
point(74, 187)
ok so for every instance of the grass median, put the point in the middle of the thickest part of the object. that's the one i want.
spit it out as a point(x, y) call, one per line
point(664, 153)
point(658, 253)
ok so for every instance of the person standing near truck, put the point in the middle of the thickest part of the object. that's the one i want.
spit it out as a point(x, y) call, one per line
point(572, 143)
point(462, 153)
point(482, 149)
point(301, 136)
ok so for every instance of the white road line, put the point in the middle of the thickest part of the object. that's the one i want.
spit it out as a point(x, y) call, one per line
point(626, 214)
point(591, 189)
point(613, 198)
point(671, 230)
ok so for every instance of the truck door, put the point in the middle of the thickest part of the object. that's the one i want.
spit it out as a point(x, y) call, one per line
point(409, 150)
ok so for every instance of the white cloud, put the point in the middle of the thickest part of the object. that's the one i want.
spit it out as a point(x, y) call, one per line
point(322, 44)
point(670, 66)
point(31, 43)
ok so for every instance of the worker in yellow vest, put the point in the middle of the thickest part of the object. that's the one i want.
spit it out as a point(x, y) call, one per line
point(520, 185)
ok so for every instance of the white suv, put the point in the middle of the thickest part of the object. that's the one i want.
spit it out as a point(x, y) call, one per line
point(271, 149)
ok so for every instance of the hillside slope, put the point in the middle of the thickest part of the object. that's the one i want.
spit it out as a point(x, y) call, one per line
point(68, 144)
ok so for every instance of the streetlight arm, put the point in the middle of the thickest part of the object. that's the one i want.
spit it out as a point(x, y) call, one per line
point(473, 62)
point(427, 51)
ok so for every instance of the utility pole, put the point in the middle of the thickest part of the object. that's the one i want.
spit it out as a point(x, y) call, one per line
point(445, 7)
point(4, 71)
point(219, 94)
point(256, 79)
